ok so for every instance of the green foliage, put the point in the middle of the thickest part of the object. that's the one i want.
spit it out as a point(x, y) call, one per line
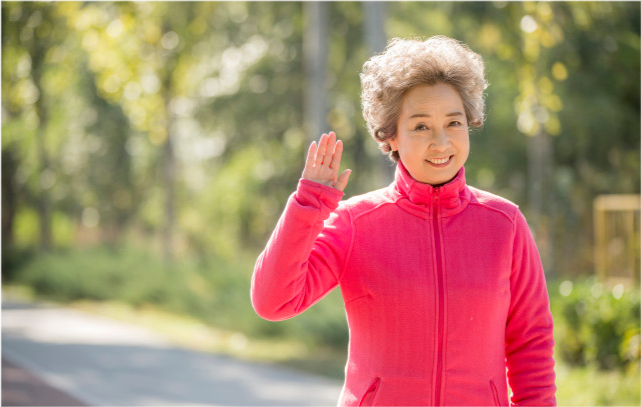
point(137, 110)
point(590, 386)
point(216, 291)
point(100, 274)
point(596, 324)
point(14, 259)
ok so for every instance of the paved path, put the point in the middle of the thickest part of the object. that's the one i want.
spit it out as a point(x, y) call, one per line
point(98, 361)
point(22, 388)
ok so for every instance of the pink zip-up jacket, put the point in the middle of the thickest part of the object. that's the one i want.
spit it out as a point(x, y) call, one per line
point(443, 289)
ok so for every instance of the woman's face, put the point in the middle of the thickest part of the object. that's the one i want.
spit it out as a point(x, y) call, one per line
point(432, 136)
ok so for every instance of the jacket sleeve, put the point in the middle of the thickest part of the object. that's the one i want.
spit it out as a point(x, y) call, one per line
point(529, 339)
point(304, 255)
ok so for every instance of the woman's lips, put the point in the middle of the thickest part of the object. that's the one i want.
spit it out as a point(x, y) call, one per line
point(439, 162)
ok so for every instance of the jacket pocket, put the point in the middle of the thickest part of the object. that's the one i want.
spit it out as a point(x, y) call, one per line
point(368, 397)
point(495, 392)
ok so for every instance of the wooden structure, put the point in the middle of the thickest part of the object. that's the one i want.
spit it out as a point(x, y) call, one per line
point(617, 247)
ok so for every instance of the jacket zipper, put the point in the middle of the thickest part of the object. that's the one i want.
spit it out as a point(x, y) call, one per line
point(441, 311)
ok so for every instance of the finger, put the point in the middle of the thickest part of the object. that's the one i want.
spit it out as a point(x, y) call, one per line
point(329, 148)
point(322, 146)
point(336, 157)
point(342, 180)
point(329, 151)
point(311, 153)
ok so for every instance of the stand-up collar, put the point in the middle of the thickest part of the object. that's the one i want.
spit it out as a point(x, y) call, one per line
point(421, 199)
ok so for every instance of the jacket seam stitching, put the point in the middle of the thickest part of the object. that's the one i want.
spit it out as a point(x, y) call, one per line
point(316, 218)
point(357, 298)
point(512, 263)
point(356, 217)
point(513, 237)
point(511, 218)
point(339, 277)
point(513, 241)
point(353, 219)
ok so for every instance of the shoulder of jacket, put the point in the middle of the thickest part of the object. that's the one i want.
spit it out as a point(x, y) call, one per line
point(360, 204)
point(494, 202)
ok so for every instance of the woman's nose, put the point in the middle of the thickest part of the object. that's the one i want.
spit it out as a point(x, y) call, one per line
point(439, 141)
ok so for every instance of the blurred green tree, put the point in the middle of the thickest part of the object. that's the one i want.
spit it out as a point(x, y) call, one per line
point(184, 124)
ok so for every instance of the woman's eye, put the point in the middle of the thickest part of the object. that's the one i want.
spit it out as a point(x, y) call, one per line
point(421, 126)
point(455, 123)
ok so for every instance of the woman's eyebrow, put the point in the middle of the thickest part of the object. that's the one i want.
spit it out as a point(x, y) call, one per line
point(452, 114)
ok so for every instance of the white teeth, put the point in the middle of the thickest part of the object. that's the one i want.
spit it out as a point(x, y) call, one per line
point(439, 160)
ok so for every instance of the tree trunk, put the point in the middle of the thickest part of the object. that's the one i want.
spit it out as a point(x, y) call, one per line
point(3, 39)
point(540, 198)
point(9, 194)
point(169, 181)
point(315, 57)
point(44, 200)
point(376, 39)
point(8, 167)
point(169, 155)
point(375, 36)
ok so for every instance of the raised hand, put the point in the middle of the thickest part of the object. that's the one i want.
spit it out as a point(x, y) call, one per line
point(323, 162)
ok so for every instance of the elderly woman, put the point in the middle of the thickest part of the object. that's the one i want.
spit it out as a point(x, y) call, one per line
point(442, 282)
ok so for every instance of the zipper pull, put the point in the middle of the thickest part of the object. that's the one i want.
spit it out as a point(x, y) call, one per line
point(436, 196)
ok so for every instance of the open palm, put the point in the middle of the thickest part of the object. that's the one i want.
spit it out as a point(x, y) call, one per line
point(323, 162)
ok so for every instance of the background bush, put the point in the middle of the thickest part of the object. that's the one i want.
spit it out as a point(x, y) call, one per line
point(596, 324)
point(215, 292)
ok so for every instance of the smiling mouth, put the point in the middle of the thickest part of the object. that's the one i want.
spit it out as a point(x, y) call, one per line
point(439, 162)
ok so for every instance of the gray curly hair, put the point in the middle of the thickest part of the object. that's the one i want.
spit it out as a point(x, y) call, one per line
point(406, 63)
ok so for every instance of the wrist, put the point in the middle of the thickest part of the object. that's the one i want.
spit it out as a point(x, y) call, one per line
point(325, 183)
point(314, 193)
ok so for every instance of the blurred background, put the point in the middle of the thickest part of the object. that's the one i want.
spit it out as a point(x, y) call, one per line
point(148, 149)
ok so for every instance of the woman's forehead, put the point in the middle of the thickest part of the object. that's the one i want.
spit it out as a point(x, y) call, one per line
point(428, 100)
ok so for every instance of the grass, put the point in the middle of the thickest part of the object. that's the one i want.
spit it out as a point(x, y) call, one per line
point(589, 386)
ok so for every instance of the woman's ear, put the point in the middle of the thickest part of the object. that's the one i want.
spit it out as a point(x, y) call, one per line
point(393, 143)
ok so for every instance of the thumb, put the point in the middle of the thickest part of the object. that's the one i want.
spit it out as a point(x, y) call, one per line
point(342, 180)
